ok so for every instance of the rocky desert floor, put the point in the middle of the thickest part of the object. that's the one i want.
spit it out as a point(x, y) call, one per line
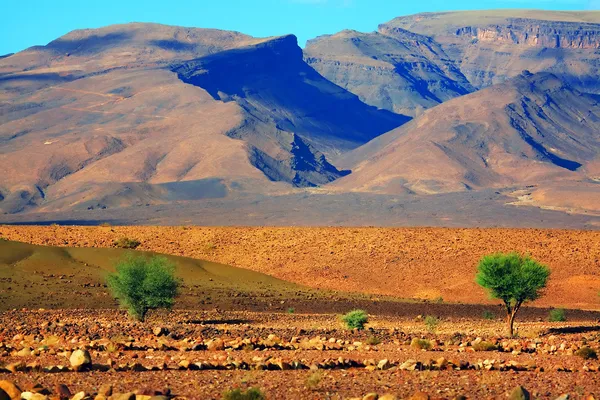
point(201, 355)
point(286, 339)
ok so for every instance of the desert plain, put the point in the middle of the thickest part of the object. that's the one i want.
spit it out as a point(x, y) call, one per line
point(260, 308)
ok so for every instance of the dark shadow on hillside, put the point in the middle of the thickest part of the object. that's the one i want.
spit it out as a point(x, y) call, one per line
point(46, 77)
point(175, 45)
point(571, 330)
point(218, 321)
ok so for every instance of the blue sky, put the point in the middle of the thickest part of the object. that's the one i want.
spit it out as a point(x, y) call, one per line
point(27, 23)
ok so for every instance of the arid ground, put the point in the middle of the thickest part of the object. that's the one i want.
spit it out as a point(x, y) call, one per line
point(409, 263)
point(260, 308)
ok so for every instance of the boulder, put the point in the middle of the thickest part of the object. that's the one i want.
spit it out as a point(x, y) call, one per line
point(79, 396)
point(519, 393)
point(215, 345)
point(81, 360)
point(122, 396)
point(105, 390)
point(384, 364)
point(12, 390)
point(33, 396)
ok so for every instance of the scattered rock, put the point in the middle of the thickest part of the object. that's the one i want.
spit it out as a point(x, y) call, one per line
point(384, 364)
point(13, 391)
point(519, 393)
point(371, 396)
point(122, 396)
point(216, 345)
point(105, 390)
point(33, 396)
point(419, 396)
point(160, 331)
point(81, 360)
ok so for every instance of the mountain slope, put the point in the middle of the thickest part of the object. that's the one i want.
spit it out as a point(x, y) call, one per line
point(531, 130)
point(397, 70)
point(99, 118)
point(415, 62)
point(492, 46)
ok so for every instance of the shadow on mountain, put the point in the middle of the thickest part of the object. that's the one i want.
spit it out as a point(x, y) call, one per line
point(175, 45)
point(43, 77)
point(273, 78)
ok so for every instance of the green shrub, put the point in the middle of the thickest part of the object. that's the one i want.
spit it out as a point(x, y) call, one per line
point(587, 353)
point(557, 315)
point(141, 284)
point(250, 394)
point(355, 319)
point(439, 300)
point(314, 379)
point(421, 344)
point(126, 243)
point(291, 310)
point(431, 323)
point(484, 346)
point(373, 341)
point(489, 315)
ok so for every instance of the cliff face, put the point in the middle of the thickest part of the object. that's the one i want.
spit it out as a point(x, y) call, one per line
point(492, 46)
point(534, 33)
point(395, 69)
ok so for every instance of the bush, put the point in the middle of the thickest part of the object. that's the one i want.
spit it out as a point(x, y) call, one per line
point(489, 315)
point(313, 380)
point(355, 319)
point(432, 323)
point(250, 394)
point(373, 341)
point(291, 310)
point(587, 353)
point(557, 315)
point(126, 243)
point(512, 278)
point(141, 284)
point(484, 346)
point(421, 344)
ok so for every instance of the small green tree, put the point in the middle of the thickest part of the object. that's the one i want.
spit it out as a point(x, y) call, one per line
point(512, 278)
point(355, 319)
point(141, 284)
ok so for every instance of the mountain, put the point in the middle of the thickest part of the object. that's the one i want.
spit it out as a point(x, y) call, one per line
point(125, 115)
point(493, 46)
point(531, 130)
point(456, 119)
point(416, 62)
point(395, 70)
